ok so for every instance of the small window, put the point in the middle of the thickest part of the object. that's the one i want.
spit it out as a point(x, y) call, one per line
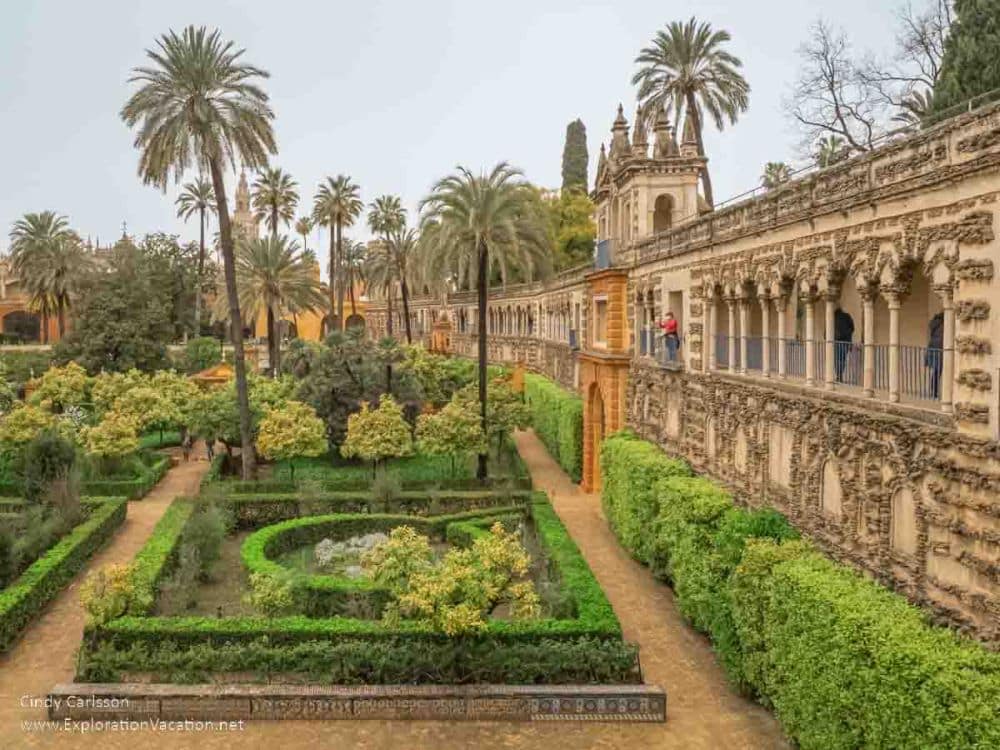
point(601, 322)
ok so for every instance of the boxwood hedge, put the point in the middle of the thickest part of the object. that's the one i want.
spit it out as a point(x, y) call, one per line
point(29, 593)
point(582, 649)
point(557, 417)
point(844, 662)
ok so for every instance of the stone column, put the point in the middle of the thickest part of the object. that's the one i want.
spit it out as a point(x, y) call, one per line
point(708, 345)
point(744, 304)
point(948, 349)
point(828, 365)
point(893, 300)
point(810, 340)
point(731, 303)
point(765, 348)
point(780, 303)
point(868, 301)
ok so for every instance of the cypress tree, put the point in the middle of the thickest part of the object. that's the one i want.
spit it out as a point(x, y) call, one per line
point(971, 65)
point(574, 160)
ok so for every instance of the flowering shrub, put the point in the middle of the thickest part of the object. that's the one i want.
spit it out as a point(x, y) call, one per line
point(457, 594)
point(106, 593)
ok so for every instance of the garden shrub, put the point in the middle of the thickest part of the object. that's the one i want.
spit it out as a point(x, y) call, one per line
point(557, 417)
point(630, 471)
point(205, 531)
point(106, 593)
point(27, 595)
point(48, 457)
point(850, 664)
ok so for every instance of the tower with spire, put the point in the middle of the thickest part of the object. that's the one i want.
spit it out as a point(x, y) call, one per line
point(642, 191)
point(244, 221)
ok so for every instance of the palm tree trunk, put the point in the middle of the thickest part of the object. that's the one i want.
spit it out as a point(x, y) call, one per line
point(273, 342)
point(388, 331)
point(340, 280)
point(706, 180)
point(61, 313)
point(236, 321)
point(333, 277)
point(350, 281)
point(45, 328)
point(406, 308)
point(201, 271)
point(482, 288)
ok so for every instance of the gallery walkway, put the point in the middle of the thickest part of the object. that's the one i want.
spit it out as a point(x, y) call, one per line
point(703, 713)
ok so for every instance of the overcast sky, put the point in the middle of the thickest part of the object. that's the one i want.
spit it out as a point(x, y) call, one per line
point(393, 93)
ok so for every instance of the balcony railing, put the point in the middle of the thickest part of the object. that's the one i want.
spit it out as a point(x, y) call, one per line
point(574, 342)
point(920, 372)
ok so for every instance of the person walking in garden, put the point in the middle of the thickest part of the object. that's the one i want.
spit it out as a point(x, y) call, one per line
point(670, 338)
point(186, 444)
point(843, 335)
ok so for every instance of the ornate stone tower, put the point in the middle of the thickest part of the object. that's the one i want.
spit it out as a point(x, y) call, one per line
point(639, 193)
point(244, 221)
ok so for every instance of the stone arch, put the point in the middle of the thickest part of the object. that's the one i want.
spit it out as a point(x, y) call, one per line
point(831, 497)
point(355, 321)
point(596, 424)
point(663, 213)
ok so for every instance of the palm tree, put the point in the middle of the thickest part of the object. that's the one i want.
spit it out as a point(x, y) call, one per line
point(199, 104)
point(776, 173)
point(303, 226)
point(831, 150)
point(687, 68)
point(49, 260)
point(274, 278)
point(337, 205)
point(474, 223)
point(197, 197)
point(274, 198)
point(354, 260)
point(915, 108)
point(387, 217)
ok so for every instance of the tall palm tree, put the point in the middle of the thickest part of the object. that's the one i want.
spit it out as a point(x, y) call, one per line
point(381, 270)
point(687, 68)
point(303, 226)
point(776, 173)
point(354, 261)
point(49, 260)
point(387, 218)
point(830, 150)
point(337, 205)
point(197, 197)
point(274, 198)
point(274, 278)
point(198, 104)
point(474, 223)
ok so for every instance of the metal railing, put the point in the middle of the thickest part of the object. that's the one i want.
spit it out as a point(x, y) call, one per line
point(920, 372)
point(772, 354)
point(666, 351)
point(755, 353)
point(848, 363)
point(721, 351)
point(795, 358)
point(574, 342)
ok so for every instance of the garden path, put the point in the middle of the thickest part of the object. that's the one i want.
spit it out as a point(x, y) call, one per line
point(703, 712)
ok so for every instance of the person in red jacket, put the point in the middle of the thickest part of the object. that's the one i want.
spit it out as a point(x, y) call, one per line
point(670, 337)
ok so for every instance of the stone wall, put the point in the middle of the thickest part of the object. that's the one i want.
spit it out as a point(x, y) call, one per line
point(893, 468)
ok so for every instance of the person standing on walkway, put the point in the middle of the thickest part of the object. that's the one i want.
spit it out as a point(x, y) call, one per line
point(843, 335)
point(186, 444)
point(933, 356)
point(669, 327)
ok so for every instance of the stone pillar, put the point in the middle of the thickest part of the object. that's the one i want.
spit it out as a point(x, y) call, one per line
point(828, 365)
point(948, 350)
point(892, 298)
point(711, 324)
point(744, 304)
point(810, 340)
point(780, 303)
point(868, 301)
point(765, 348)
point(731, 343)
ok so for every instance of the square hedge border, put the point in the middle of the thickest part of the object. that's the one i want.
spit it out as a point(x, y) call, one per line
point(26, 596)
point(588, 648)
point(157, 465)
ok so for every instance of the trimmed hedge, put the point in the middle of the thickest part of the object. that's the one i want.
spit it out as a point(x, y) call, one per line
point(557, 416)
point(586, 648)
point(47, 576)
point(254, 511)
point(844, 662)
point(133, 489)
point(157, 557)
point(630, 469)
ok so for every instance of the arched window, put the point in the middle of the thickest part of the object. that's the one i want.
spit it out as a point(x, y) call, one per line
point(663, 211)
